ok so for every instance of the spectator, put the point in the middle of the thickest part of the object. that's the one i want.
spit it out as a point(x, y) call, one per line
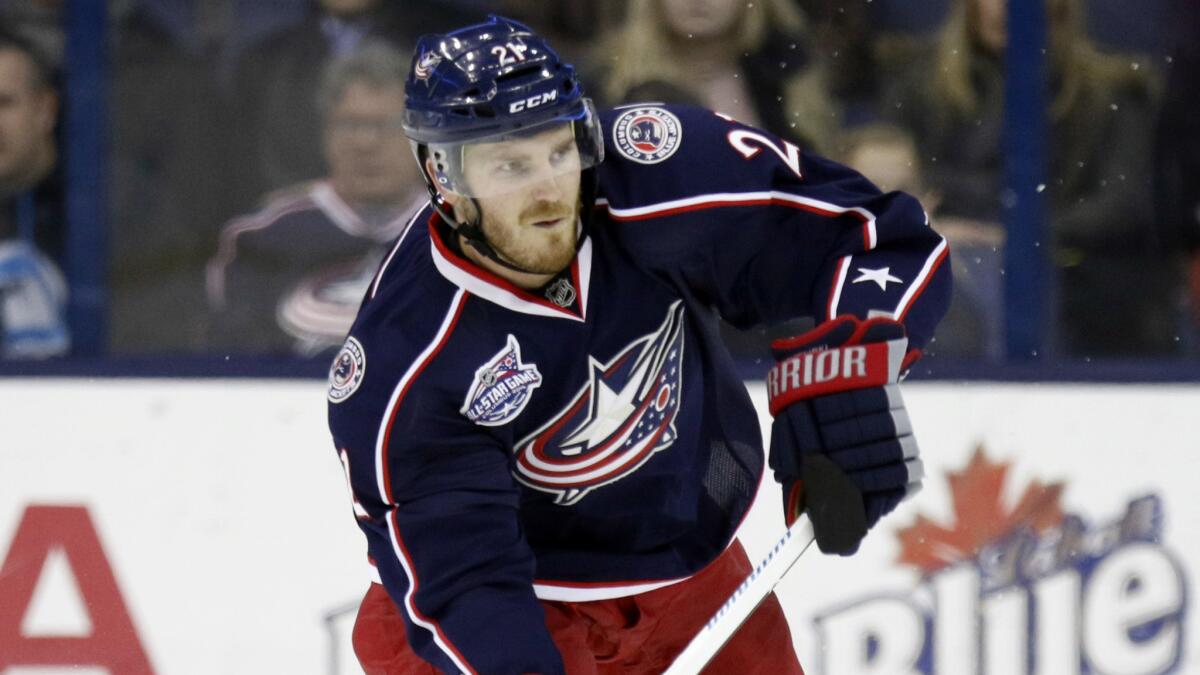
point(32, 291)
point(750, 61)
point(275, 83)
point(1100, 108)
point(167, 188)
point(288, 278)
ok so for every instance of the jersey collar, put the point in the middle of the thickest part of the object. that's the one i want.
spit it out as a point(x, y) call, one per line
point(478, 281)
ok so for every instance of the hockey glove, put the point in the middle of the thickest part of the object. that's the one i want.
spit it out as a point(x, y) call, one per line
point(841, 443)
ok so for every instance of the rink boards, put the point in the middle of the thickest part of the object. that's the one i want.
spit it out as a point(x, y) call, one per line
point(203, 526)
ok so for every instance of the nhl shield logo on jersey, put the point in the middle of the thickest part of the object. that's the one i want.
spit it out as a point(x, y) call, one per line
point(561, 293)
point(618, 420)
point(647, 135)
point(502, 387)
point(347, 371)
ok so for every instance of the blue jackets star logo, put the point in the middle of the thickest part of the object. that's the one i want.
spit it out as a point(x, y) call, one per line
point(615, 424)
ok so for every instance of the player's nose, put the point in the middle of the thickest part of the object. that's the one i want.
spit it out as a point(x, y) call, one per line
point(546, 188)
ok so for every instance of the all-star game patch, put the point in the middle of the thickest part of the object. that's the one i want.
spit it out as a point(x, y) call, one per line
point(647, 135)
point(347, 371)
point(501, 387)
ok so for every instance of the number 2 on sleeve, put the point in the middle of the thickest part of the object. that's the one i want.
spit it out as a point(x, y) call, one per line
point(750, 143)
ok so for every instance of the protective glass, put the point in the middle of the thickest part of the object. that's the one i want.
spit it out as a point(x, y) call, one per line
point(514, 161)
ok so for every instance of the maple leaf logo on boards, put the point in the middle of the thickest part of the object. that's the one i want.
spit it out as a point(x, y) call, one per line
point(1012, 584)
point(981, 517)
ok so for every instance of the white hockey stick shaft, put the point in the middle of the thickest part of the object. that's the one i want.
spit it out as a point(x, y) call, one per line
point(725, 622)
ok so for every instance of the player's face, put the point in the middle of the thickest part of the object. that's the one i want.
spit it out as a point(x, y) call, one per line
point(531, 211)
point(700, 19)
point(368, 154)
point(27, 116)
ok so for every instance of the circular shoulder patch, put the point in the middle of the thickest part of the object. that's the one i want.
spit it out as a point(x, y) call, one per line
point(347, 371)
point(647, 135)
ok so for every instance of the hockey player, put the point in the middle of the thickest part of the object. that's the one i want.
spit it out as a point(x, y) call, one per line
point(549, 449)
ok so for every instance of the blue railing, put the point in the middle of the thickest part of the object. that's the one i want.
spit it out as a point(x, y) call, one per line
point(86, 184)
point(1026, 280)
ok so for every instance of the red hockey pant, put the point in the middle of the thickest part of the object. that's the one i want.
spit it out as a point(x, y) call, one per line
point(633, 635)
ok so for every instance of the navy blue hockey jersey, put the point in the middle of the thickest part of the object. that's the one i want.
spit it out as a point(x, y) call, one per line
point(594, 440)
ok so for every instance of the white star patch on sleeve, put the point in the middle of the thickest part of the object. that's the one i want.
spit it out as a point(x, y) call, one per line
point(881, 276)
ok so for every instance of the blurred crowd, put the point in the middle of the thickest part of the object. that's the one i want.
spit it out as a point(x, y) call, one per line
point(257, 168)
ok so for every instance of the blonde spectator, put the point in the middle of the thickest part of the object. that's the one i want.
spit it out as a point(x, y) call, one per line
point(749, 60)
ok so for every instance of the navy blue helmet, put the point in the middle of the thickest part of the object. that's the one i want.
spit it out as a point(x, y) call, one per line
point(490, 78)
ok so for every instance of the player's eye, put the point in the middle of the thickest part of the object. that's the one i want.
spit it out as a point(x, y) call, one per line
point(511, 167)
point(563, 154)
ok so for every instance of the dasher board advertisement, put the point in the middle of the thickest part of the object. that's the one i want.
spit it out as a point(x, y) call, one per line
point(202, 526)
